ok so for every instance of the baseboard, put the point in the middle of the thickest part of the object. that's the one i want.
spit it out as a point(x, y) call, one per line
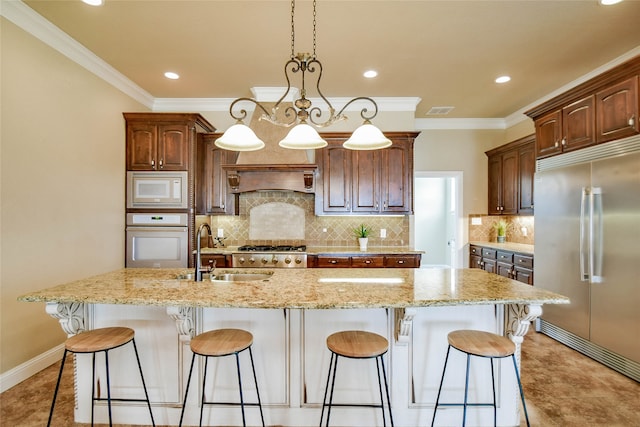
point(31, 367)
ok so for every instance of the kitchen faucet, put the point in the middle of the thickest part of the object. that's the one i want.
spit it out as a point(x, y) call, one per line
point(198, 274)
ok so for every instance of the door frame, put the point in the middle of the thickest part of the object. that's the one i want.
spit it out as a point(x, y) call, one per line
point(457, 255)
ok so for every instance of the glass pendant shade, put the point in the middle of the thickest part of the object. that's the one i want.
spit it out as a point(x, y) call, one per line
point(303, 137)
point(367, 137)
point(239, 137)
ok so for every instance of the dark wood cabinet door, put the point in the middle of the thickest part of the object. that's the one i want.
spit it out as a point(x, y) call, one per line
point(509, 193)
point(333, 261)
point(475, 261)
point(365, 181)
point(489, 265)
point(549, 134)
point(495, 184)
point(523, 275)
point(396, 185)
point(367, 261)
point(617, 111)
point(504, 269)
point(402, 261)
point(526, 171)
point(212, 194)
point(578, 124)
point(173, 147)
point(337, 179)
point(214, 260)
point(141, 146)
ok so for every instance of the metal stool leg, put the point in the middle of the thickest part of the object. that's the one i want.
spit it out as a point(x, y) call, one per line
point(255, 379)
point(493, 388)
point(435, 409)
point(204, 381)
point(333, 383)
point(184, 403)
point(466, 394)
point(384, 420)
point(106, 362)
point(524, 405)
point(244, 421)
point(326, 388)
point(55, 393)
point(144, 385)
point(93, 384)
point(386, 386)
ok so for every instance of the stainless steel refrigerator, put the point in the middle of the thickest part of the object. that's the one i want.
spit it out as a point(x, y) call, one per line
point(587, 247)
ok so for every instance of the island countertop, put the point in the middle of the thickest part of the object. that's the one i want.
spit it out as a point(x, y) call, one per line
point(300, 288)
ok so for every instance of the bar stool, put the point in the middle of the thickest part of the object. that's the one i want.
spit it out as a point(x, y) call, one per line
point(480, 344)
point(95, 341)
point(356, 345)
point(220, 343)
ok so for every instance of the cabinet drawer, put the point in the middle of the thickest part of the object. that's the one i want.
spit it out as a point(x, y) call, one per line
point(367, 261)
point(475, 250)
point(488, 253)
point(334, 261)
point(505, 256)
point(403, 261)
point(523, 261)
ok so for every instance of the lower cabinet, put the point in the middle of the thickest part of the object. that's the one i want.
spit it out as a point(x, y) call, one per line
point(509, 264)
point(364, 261)
point(214, 260)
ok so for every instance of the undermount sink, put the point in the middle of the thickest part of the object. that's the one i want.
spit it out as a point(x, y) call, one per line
point(240, 277)
point(234, 276)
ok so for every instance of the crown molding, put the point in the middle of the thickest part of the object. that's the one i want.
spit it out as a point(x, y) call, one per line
point(453, 124)
point(33, 23)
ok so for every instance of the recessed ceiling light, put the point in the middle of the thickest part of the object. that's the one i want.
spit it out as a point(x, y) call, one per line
point(503, 79)
point(370, 74)
point(609, 2)
point(93, 2)
point(171, 75)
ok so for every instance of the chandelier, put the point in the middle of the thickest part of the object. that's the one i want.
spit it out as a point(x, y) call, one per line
point(302, 115)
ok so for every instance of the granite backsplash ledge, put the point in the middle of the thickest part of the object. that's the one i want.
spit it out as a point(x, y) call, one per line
point(520, 229)
point(263, 216)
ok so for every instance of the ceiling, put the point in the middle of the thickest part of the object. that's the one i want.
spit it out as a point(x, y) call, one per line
point(447, 53)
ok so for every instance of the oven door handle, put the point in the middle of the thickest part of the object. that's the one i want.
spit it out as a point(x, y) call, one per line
point(156, 228)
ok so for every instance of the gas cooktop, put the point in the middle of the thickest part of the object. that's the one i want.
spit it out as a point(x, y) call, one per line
point(271, 248)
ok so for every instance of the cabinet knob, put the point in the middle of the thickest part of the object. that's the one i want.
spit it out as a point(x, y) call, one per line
point(556, 144)
point(564, 142)
point(161, 164)
point(153, 164)
point(368, 261)
point(400, 261)
point(632, 120)
point(333, 261)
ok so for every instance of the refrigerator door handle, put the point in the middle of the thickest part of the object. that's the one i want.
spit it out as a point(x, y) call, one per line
point(584, 251)
point(595, 235)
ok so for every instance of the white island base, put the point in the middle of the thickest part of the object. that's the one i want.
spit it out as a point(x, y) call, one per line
point(292, 363)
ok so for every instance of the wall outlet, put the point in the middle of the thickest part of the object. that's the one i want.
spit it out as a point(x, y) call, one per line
point(476, 220)
point(220, 232)
point(383, 233)
point(324, 230)
point(524, 231)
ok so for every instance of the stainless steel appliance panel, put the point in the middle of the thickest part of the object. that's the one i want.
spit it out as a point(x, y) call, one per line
point(615, 295)
point(154, 190)
point(558, 195)
point(157, 240)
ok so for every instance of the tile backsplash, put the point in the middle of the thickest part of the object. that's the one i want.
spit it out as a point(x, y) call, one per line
point(520, 229)
point(263, 216)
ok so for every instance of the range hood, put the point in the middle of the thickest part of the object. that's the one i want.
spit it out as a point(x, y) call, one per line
point(273, 167)
point(276, 177)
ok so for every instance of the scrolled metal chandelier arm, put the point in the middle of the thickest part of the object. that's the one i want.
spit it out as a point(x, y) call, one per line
point(242, 114)
point(363, 112)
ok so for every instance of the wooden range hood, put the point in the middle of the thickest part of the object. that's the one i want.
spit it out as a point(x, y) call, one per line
point(274, 177)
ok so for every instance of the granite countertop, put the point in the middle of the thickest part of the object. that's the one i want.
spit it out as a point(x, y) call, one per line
point(507, 246)
point(313, 288)
point(330, 250)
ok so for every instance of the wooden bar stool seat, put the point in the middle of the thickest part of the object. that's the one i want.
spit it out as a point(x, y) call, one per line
point(96, 341)
point(356, 345)
point(480, 344)
point(221, 343)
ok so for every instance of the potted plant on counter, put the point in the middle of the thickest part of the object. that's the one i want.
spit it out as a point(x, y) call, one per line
point(362, 233)
point(501, 230)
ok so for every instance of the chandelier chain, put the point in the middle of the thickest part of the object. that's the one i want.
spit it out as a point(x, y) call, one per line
point(293, 29)
point(314, 29)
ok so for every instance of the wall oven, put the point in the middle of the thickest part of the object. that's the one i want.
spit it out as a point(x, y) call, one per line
point(158, 240)
point(153, 190)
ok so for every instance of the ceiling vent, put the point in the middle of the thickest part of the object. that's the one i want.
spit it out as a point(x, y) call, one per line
point(439, 111)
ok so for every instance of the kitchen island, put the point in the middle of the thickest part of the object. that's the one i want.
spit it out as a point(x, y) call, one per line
point(290, 315)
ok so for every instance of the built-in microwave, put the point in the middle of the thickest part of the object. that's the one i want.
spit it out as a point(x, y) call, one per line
point(157, 190)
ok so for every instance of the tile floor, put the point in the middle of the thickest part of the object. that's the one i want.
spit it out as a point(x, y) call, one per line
point(562, 387)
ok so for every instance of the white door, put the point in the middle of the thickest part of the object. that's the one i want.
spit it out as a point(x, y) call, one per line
point(436, 224)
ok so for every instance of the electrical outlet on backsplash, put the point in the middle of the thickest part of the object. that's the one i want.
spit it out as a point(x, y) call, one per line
point(520, 229)
point(318, 230)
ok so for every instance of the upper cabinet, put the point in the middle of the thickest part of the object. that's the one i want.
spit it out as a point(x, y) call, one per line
point(511, 168)
point(368, 181)
point(602, 109)
point(162, 141)
point(212, 193)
